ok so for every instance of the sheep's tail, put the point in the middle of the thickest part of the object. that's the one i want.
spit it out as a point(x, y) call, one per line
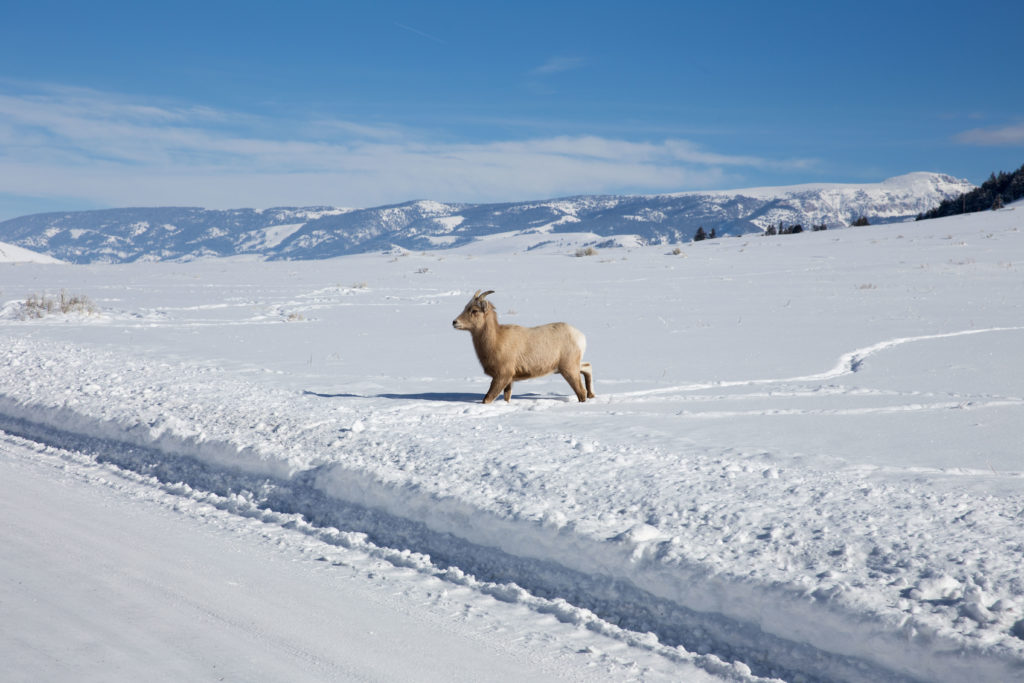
point(581, 341)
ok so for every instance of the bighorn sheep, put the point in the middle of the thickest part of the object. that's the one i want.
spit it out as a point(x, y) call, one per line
point(512, 352)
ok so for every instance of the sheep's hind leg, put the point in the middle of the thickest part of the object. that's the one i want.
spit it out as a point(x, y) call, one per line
point(573, 378)
point(588, 376)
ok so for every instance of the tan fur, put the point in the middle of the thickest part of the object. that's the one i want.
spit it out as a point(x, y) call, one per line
point(511, 352)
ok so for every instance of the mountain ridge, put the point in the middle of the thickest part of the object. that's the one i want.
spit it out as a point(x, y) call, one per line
point(298, 233)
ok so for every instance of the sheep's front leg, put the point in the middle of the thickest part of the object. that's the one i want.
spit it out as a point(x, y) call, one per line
point(498, 384)
point(508, 392)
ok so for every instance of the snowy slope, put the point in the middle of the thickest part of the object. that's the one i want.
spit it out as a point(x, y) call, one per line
point(10, 253)
point(803, 460)
point(125, 235)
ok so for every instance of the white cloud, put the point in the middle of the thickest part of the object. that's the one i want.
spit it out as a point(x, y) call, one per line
point(61, 142)
point(1005, 135)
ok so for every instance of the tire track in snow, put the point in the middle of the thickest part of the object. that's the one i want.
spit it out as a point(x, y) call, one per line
point(852, 362)
point(848, 364)
point(883, 410)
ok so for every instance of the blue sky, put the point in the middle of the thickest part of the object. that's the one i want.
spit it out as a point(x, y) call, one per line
point(259, 104)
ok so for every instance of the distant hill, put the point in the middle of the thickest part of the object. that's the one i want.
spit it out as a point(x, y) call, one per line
point(174, 233)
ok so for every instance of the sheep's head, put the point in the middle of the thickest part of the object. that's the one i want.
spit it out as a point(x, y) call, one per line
point(474, 315)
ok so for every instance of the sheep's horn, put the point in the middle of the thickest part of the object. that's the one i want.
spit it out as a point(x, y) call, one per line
point(481, 296)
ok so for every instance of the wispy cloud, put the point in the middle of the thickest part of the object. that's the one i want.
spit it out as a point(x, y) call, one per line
point(557, 65)
point(1012, 134)
point(422, 34)
point(104, 149)
point(350, 128)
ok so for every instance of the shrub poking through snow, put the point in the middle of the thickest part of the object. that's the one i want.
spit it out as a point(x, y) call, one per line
point(42, 305)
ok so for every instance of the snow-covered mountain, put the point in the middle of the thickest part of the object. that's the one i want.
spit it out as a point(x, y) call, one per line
point(170, 233)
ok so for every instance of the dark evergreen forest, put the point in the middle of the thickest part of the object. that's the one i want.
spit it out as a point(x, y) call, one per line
point(996, 192)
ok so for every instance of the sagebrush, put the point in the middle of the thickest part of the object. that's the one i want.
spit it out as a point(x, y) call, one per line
point(41, 305)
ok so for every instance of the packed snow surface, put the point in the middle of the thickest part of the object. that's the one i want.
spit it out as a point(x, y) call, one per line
point(805, 459)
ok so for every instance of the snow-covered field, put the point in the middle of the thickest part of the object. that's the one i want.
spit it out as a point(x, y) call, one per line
point(805, 461)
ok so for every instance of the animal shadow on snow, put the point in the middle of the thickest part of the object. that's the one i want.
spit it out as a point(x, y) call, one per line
point(446, 397)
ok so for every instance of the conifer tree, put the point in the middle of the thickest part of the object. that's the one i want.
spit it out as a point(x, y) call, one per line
point(1004, 187)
